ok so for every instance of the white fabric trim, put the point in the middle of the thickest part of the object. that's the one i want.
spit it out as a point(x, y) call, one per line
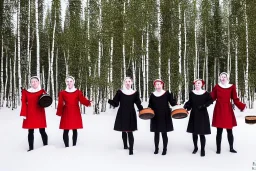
point(128, 91)
point(70, 90)
point(198, 92)
point(33, 90)
point(159, 93)
point(225, 85)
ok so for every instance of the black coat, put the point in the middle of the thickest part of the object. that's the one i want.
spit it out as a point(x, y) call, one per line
point(162, 121)
point(199, 122)
point(126, 118)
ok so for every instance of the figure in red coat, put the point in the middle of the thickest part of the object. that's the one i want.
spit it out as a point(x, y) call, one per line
point(33, 114)
point(69, 111)
point(223, 115)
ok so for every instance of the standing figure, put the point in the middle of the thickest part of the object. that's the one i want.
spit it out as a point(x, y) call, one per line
point(199, 122)
point(69, 111)
point(162, 122)
point(126, 118)
point(33, 114)
point(223, 114)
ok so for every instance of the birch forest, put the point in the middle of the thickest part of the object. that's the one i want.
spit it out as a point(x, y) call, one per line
point(100, 42)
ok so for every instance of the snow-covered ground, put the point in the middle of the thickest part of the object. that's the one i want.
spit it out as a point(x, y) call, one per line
point(99, 147)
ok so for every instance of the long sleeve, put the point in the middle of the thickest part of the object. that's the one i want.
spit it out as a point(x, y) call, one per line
point(209, 100)
point(138, 102)
point(23, 111)
point(83, 99)
point(172, 100)
point(116, 99)
point(60, 105)
point(236, 100)
point(188, 104)
point(150, 105)
point(214, 93)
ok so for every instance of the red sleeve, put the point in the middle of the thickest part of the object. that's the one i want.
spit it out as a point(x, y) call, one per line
point(23, 111)
point(214, 93)
point(236, 100)
point(83, 99)
point(60, 105)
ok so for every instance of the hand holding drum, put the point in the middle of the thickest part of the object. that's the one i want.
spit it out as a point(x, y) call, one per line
point(45, 100)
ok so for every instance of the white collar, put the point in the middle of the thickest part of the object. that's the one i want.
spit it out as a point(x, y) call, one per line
point(70, 90)
point(33, 90)
point(225, 85)
point(159, 93)
point(198, 92)
point(127, 91)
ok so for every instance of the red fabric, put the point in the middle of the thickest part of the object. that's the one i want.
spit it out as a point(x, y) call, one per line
point(68, 109)
point(223, 114)
point(35, 114)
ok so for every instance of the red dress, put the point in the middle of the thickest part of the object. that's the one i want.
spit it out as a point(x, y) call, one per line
point(68, 109)
point(223, 114)
point(35, 114)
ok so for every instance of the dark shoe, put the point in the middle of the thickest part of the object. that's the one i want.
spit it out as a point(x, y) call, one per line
point(195, 150)
point(233, 151)
point(130, 152)
point(202, 153)
point(164, 152)
point(30, 149)
point(218, 151)
point(126, 148)
point(156, 151)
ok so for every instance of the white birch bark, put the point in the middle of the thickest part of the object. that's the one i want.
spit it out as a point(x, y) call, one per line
point(185, 57)
point(143, 69)
point(2, 74)
point(37, 41)
point(28, 45)
point(124, 62)
point(56, 76)
point(247, 58)
point(99, 43)
point(10, 86)
point(159, 35)
point(206, 59)
point(19, 68)
point(179, 37)
point(49, 70)
point(229, 55)
point(14, 77)
point(43, 78)
point(236, 60)
point(111, 66)
point(147, 61)
point(169, 75)
point(195, 34)
point(6, 78)
point(134, 66)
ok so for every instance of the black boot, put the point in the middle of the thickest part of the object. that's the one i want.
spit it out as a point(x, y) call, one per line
point(203, 141)
point(66, 138)
point(231, 140)
point(165, 142)
point(31, 139)
point(156, 140)
point(218, 140)
point(131, 142)
point(124, 137)
point(195, 138)
point(44, 136)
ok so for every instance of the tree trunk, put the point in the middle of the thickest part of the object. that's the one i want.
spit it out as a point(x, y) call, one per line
point(37, 41)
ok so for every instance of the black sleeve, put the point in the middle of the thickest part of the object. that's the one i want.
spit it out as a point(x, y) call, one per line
point(150, 105)
point(209, 100)
point(188, 104)
point(171, 99)
point(116, 99)
point(138, 101)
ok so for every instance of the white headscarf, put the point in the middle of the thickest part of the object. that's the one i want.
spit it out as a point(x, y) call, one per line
point(125, 90)
point(227, 85)
point(73, 88)
point(33, 90)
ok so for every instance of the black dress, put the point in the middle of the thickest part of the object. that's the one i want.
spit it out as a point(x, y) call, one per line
point(199, 122)
point(162, 121)
point(126, 118)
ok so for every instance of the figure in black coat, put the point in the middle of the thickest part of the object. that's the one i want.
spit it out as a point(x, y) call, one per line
point(126, 118)
point(199, 122)
point(162, 121)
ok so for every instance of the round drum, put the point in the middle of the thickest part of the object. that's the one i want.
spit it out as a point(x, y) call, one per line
point(45, 100)
point(146, 113)
point(179, 113)
point(250, 119)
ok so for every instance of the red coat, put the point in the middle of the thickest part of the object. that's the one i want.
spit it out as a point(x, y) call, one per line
point(35, 114)
point(223, 114)
point(68, 109)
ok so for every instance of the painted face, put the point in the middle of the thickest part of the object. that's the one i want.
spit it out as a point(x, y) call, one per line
point(128, 83)
point(34, 83)
point(158, 86)
point(223, 78)
point(70, 83)
point(198, 85)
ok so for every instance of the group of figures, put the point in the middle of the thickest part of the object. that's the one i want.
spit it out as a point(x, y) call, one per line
point(126, 118)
